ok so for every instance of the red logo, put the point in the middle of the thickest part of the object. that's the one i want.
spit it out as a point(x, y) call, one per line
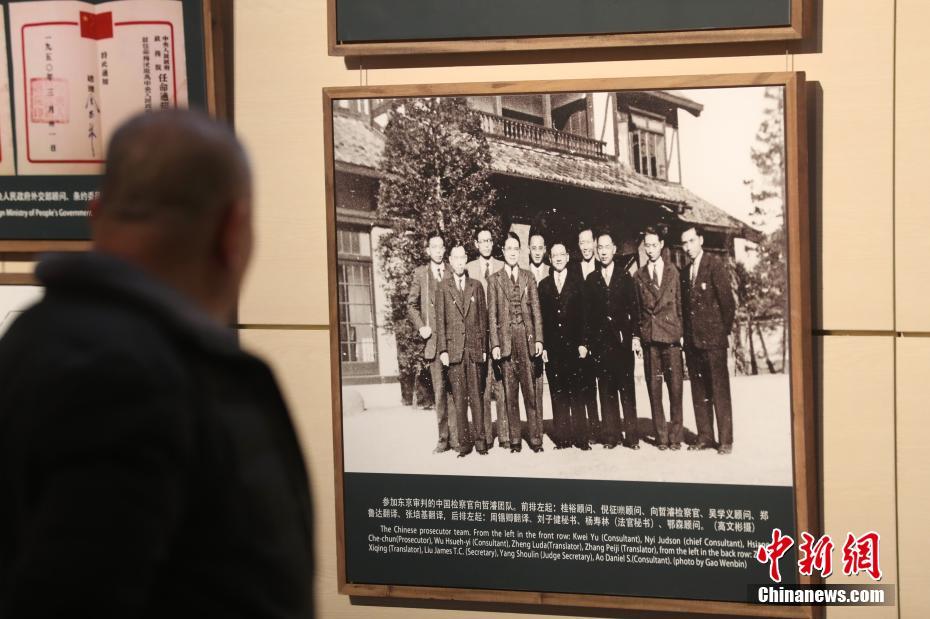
point(773, 552)
point(861, 555)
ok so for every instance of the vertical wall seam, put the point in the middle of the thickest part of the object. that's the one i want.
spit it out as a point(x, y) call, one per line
point(894, 293)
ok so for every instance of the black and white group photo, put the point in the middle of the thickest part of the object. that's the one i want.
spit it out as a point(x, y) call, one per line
point(586, 285)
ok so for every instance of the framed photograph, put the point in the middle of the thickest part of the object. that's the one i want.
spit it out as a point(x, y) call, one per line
point(571, 350)
point(374, 27)
point(75, 71)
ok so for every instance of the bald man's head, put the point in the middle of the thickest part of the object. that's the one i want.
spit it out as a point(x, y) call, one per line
point(176, 201)
point(175, 163)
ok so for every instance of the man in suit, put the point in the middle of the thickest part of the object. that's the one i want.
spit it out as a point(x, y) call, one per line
point(461, 326)
point(516, 337)
point(538, 267)
point(587, 380)
point(481, 269)
point(540, 271)
point(658, 295)
point(561, 302)
point(709, 308)
point(421, 309)
point(612, 337)
point(586, 246)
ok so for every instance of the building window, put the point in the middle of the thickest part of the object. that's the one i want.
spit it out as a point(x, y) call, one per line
point(647, 144)
point(357, 329)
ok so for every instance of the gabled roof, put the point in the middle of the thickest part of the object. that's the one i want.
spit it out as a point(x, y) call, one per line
point(357, 144)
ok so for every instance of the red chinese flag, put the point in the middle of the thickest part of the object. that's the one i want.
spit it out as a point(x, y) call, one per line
point(96, 26)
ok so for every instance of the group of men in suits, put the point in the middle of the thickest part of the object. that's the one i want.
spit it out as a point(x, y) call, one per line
point(491, 329)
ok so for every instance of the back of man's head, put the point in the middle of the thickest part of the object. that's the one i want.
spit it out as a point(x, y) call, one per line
point(176, 201)
point(177, 163)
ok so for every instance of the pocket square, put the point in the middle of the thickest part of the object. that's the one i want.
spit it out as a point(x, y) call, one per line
point(703, 285)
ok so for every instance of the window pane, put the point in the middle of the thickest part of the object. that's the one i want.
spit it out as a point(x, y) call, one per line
point(662, 155)
point(356, 305)
point(365, 344)
point(634, 139)
point(364, 243)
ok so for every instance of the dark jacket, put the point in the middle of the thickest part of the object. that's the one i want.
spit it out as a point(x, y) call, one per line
point(148, 466)
point(610, 312)
point(660, 317)
point(461, 320)
point(499, 310)
point(562, 315)
point(421, 303)
point(708, 304)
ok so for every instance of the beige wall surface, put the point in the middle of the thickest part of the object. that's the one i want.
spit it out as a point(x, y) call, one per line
point(912, 152)
point(865, 126)
point(913, 361)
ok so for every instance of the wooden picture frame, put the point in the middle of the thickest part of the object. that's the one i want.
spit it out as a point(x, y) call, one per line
point(803, 450)
point(801, 14)
point(215, 16)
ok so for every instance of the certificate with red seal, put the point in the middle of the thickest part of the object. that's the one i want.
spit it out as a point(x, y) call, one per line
point(80, 69)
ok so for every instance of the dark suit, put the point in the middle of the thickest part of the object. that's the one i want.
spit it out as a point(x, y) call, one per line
point(539, 274)
point(461, 326)
point(609, 330)
point(493, 379)
point(709, 309)
point(148, 466)
point(515, 325)
point(421, 309)
point(587, 373)
point(563, 332)
point(660, 327)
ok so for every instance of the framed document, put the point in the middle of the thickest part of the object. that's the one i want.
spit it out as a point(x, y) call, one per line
point(571, 339)
point(374, 27)
point(78, 70)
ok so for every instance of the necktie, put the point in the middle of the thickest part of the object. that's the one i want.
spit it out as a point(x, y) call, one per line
point(559, 281)
point(693, 271)
point(439, 273)
point(655, 276)
point(462, 284)
point(513, 275)
point(487, 270)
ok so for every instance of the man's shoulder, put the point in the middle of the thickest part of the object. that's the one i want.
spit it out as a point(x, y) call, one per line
point(68, 336)
point(547, 283)
point(712, 260)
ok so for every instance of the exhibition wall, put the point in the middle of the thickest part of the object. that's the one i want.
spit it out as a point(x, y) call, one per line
point(868, 141)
